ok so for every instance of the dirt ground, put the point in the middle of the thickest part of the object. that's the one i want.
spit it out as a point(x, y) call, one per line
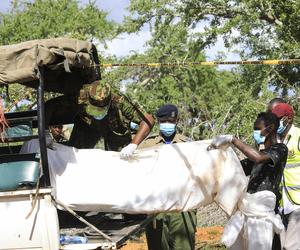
point(210, 221)
point(206, 238)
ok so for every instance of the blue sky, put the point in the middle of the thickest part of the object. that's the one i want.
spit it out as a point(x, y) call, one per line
point(116, 8)
point(126, 44)
point(4, 4)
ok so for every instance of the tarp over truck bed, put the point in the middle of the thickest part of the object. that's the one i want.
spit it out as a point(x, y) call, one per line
point(19, 63)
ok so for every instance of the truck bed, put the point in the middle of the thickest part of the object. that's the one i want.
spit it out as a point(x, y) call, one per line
point(120, 227)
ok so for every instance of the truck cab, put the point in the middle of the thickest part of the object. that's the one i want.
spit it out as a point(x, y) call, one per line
point(30, 216)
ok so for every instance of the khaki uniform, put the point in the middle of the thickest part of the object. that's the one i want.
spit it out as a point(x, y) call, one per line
point(114, 128)
point(170, 231)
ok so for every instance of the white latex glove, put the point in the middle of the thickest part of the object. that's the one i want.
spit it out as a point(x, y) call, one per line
point(221, 141)
point(128, 151)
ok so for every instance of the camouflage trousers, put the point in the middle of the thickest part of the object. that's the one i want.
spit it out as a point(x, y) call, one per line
point(172, 231)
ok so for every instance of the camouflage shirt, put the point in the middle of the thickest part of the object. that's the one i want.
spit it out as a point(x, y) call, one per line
point(121, 112)
point(114, 128)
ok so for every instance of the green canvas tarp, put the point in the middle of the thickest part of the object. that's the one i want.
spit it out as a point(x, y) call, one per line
point(67, 63)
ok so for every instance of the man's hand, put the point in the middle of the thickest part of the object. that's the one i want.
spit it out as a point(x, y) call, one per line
point(220, 141)
point(128, 151)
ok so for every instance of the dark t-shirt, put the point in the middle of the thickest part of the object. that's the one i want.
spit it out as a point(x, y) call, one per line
point(267, 175)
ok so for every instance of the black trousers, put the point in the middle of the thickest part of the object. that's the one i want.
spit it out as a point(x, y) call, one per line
point(276, 245)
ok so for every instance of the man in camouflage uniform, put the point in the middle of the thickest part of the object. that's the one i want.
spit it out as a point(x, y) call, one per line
point(102, 112)
point(170, 231)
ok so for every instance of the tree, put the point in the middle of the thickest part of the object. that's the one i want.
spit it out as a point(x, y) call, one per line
point(39, 19)
point(210, 101)
point(266, 29)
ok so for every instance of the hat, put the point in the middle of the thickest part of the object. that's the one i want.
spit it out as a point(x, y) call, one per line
point(99, 96)
point(167, 111)
point(283, 109)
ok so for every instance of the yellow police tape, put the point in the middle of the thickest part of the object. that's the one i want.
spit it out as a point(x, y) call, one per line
point(208, 63)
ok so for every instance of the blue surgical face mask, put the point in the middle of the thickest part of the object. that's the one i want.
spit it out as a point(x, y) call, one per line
point(100, 117)
point(167, 129)
point(281, 128)
point(134, 126)
point(259, 139)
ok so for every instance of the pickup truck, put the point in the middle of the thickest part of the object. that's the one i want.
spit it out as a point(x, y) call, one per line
point(30, 217)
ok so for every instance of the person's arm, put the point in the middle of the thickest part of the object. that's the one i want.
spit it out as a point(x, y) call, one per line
point(253, 154)
point(144, 129)
point(133, 112)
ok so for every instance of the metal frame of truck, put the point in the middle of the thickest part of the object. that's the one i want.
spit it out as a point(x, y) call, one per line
point(31, 212)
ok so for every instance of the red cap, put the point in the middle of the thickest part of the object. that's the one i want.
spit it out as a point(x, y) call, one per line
point(283, 109)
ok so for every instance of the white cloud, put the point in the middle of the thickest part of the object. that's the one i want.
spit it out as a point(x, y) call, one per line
point(212, 54)
point(126, 44)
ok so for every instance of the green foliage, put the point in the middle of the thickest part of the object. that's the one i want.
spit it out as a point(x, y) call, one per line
point(16, 93)
point(214, 102)
point(211, 102)
point(266, 29)
point(40, 19)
